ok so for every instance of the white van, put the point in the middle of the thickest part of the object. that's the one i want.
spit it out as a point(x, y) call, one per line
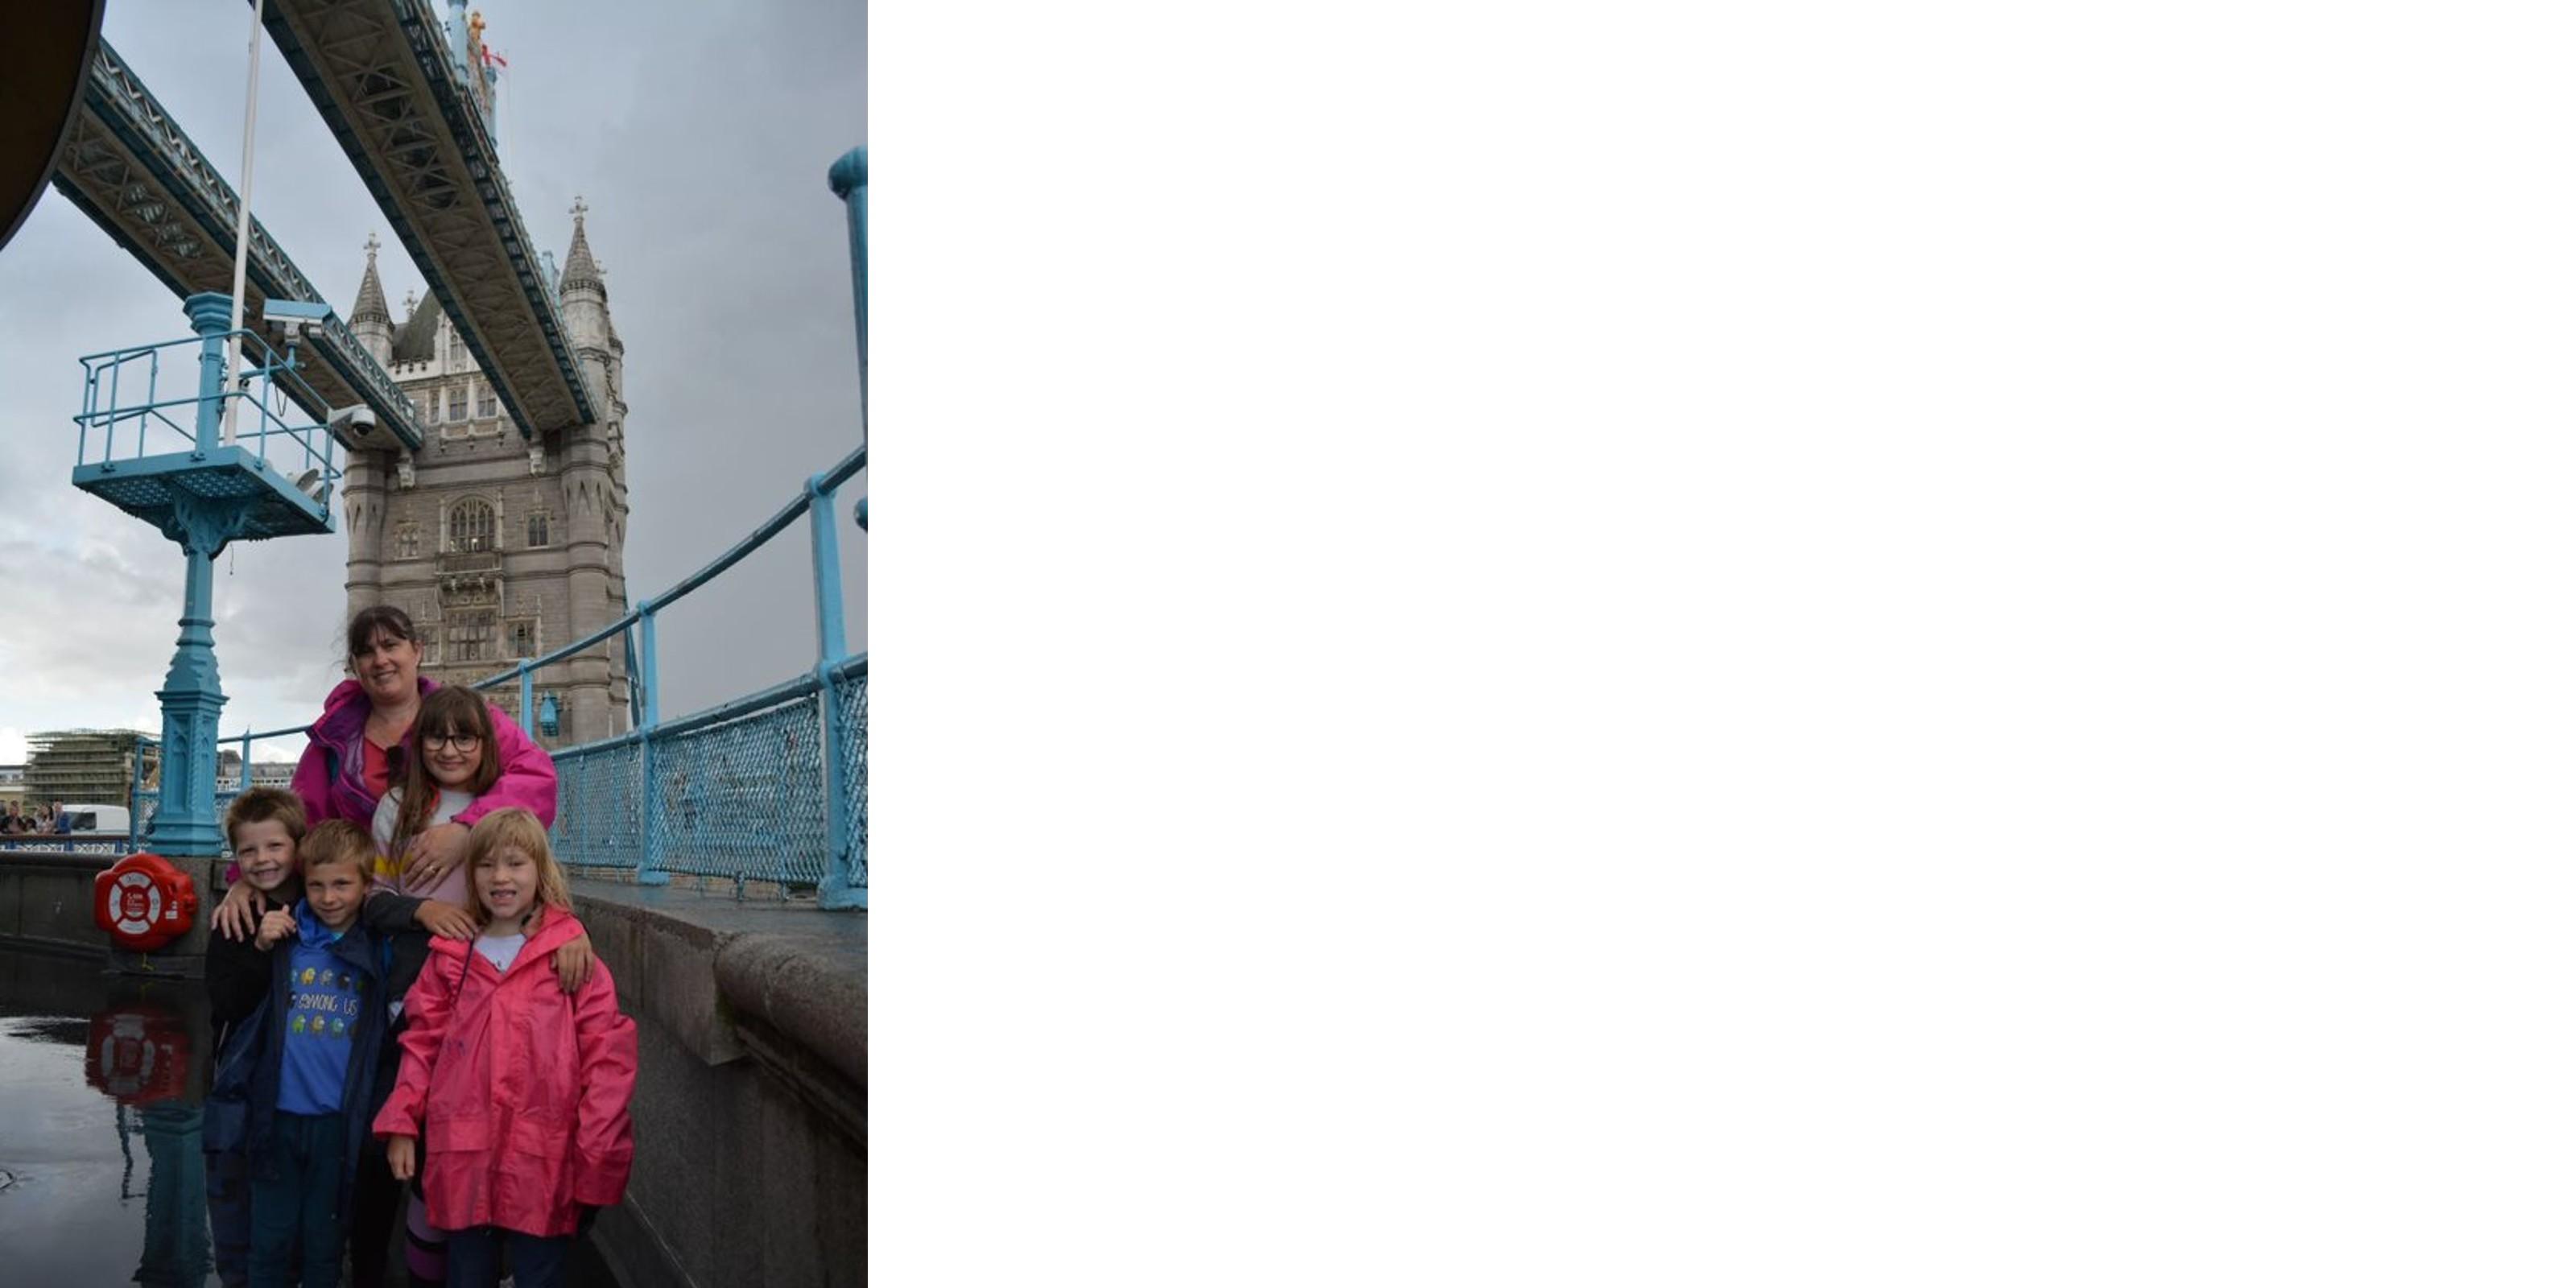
point(96, 820)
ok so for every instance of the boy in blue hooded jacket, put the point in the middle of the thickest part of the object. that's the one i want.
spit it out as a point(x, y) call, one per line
point(309, 1086)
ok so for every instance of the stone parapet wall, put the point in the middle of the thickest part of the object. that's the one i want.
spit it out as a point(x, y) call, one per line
point(751, 1099)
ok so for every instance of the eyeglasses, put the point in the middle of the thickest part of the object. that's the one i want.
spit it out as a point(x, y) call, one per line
point(459, 741)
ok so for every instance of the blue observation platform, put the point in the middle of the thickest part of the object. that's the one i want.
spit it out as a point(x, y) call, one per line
point(151, 434)
point(234, 469)
point(155, 488)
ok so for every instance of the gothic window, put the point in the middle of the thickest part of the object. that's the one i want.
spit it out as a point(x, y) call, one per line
point(469, 526)
point(537, 534)
point(456, 403)
point(407, 541)
point(486, 405)
point(469, 638)
point(523, 638)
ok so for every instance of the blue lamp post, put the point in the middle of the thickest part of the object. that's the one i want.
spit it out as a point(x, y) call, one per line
point(203, 490)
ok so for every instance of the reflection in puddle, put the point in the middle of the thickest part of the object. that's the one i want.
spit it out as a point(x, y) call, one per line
point(98, 1190)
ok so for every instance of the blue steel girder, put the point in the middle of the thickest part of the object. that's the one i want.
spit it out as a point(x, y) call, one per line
point(378, 72)
point(135, 173)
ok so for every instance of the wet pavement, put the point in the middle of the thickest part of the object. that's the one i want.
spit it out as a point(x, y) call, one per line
point(102, 1169)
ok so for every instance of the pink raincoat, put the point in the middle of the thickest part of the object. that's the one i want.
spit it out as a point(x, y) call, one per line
point(524, 1089)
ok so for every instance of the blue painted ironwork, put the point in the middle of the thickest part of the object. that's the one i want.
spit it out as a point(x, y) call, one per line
point(849, 181)
point(648, 868)
point(830, 650)
point(141, 178)
point(137, 456)
point(202, 494)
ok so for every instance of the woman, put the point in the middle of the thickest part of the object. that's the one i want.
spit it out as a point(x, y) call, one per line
point(354, 752)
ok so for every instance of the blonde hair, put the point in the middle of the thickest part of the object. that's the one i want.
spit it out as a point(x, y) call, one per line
point(338, 841)
point(517, 827)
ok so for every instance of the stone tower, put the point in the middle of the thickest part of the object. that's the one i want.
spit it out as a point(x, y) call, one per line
point(498, 546)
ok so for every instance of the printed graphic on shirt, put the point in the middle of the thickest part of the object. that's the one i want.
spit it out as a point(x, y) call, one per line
point(326, 1004)
point(323, 1005)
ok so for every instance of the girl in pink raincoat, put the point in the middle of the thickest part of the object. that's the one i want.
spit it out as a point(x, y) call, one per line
point(522, 1090)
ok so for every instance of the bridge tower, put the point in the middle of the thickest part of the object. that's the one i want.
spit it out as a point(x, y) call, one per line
point(499, 544)
point(363, 486)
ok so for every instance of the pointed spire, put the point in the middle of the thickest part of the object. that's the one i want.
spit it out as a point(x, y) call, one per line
point(371, 292)
point(580, 269)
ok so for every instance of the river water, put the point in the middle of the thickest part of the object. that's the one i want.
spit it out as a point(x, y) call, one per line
point(102, 1170)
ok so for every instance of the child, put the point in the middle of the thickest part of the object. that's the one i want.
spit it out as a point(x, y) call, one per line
point(319, 1044)
point(266, 826)
point(454, 757)
point(523, 1089)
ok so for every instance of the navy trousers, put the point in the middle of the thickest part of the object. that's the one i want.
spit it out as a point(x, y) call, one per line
point(228, 1211)
point(295, 1204)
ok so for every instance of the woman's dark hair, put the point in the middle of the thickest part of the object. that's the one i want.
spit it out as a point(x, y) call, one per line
point(451, 710)
point(383, 617)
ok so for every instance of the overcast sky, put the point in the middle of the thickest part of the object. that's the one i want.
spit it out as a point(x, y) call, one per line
point(698, 135)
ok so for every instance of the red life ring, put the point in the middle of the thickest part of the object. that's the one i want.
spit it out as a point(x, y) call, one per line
point(143, 902)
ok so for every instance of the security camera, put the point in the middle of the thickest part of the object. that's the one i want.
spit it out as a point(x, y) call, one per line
point(352, 422)
point(294, 317)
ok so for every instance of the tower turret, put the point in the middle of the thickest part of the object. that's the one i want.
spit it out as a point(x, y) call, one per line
point(594, 478)
point(370, 321)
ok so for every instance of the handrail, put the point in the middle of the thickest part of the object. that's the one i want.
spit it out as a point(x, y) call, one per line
point(828, 480)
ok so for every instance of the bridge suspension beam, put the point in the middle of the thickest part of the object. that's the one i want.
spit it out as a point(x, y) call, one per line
point(385, 82)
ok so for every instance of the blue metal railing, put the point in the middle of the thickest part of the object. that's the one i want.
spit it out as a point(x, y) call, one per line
point(269, 384)
point(771, 786)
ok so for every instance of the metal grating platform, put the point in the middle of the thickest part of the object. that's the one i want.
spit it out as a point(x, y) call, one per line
point(151, 488)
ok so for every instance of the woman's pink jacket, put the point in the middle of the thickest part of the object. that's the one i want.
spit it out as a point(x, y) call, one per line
point(331, 777)
point(524, 1089)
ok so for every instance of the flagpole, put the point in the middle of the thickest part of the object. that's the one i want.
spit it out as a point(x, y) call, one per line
point(241, 227)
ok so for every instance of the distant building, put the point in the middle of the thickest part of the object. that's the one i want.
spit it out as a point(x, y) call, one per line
point(13, 787)
point(86, 766)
